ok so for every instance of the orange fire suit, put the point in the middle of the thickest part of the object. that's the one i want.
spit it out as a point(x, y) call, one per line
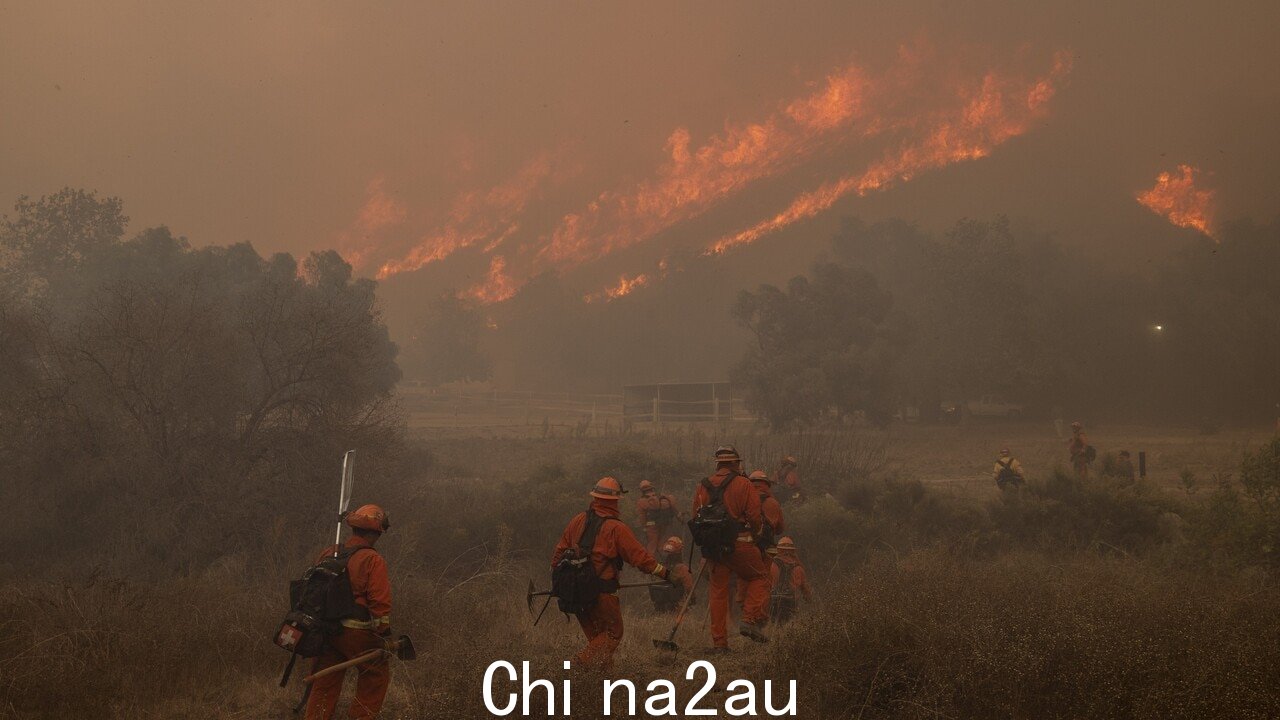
point(743, 503)
point(771, 512)
point(657, 514)
point(1076, 446)
point(615, 544)
point(799, 582)
point(668, 599)
point(788, 476)
point(367, 572)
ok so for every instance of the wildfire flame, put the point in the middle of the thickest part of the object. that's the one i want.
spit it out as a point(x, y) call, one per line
point(929, 111)
point(497, 285)
point(1177, 199)
point(477, 216)
point(623, 287)
point(380, 211)
point(999, 111)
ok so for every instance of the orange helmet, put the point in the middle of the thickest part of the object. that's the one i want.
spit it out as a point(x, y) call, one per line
point(760, 476)
point(727, 453)
point(1004, 451)
point(1076, 425)
point(369, 517)
point(645, 485)
point(786, 544)
point(789, 460)
point(673, 545)
point(608, 489)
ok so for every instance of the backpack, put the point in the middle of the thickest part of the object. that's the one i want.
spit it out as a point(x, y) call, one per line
point(320, 600)
point(1090, 453)
point(768, 537)
point(1007, 476)
point(664, 514)
point(784, 588)
point(574, 581)
point(714, 530)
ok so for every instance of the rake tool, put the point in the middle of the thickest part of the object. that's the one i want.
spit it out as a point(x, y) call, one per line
point(532, 593)
point(670, 642)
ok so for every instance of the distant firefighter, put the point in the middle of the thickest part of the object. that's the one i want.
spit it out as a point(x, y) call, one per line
point(658, 514)
point(1008, 471)
point(1123, 468)
point(788, 478)
point(771, 528)
point(1082, 453)
point(789, 582)
point(667, 598)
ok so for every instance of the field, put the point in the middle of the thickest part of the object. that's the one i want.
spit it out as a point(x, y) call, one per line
point(937, 595)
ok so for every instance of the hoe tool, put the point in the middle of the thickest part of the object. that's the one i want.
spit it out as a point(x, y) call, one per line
point(670, 642)
point(401, 647)
point(532, 593)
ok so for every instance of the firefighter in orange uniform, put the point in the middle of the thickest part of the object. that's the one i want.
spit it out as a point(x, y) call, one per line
point(657, 513)
point(789, 581)
point(1078, 446)
point(742, 502)
point(789, 478)
point(668, 598)
point(614, 544)
point(772, 527)
point(367, 573)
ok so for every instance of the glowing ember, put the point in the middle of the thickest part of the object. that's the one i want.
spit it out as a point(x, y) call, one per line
point(998, 111)
point(1177, 199)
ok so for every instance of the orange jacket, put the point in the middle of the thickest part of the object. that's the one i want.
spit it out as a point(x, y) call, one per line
point(1076, 445)
point(740, 498)
point(367, 572)
point(614, 541)
point(680, 574)
point(770, 508)
point(646, 505)
point(798, 580)
point(788, 476)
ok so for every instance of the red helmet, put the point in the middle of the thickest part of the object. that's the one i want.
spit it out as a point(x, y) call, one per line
point(607, 489)
point(760, 476)
point(673, 545)
point(369, 517)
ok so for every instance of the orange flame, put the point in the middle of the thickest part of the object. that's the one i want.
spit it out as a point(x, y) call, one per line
point(497, 285)
point(475, 217)
point(623, 287)
point(695, 178)
point(1178, 200)
point(380, 211)
point(1000, 110)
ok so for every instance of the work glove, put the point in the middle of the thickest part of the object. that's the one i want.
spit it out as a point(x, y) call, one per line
point(661, 571)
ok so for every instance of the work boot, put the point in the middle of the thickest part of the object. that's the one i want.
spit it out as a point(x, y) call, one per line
point(753, 632)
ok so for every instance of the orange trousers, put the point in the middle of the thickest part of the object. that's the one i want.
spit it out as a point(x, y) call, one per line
point(768, 576)
point(602, 625)
point(371, 686)
point(745, 563)
point(651, 538)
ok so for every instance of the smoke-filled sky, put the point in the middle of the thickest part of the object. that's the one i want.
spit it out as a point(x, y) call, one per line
point(490, 141)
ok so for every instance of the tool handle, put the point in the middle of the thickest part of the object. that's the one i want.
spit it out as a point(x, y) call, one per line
point(684, 604)
point(366, 657)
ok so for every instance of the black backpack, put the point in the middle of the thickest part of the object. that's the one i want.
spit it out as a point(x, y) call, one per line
point(714, 530)
point(1007, 476)
point(574, 581)
point(784, 589)
point(768, 536)
point(320, 600)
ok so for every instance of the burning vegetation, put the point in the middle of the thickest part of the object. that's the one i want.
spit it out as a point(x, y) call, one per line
point(1177, 197)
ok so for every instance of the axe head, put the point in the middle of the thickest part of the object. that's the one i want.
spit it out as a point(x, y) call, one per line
point(403, 648)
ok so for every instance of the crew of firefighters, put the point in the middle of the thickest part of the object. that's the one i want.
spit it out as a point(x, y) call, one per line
point(763, 562)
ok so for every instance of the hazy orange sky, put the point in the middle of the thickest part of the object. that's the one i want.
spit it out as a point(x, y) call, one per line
point(273, 122)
